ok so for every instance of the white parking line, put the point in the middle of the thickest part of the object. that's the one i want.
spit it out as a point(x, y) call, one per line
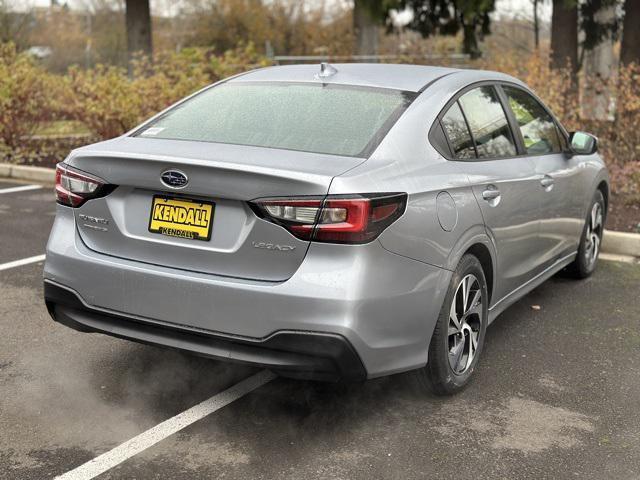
point(22, 188)
point(147, 439)
point(24, 261)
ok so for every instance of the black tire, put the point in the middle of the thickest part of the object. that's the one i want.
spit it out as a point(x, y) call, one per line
point(439, 375)
point(584, 264)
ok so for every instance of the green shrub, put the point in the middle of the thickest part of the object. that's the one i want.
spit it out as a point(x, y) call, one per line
point(109, 102)
point(103, 99)
point(26, 96)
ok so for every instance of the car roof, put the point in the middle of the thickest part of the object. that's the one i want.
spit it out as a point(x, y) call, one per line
point(411, 78)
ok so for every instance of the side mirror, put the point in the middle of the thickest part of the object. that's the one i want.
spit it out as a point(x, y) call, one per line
point(581, 143)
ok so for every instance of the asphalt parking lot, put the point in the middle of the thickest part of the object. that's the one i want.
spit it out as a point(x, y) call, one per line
point(557, 393)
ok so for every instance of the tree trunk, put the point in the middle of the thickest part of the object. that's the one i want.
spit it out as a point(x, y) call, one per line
point(598, 68)
point(138, 19)
point(564, 36)
point(470, 40)
point(630, 48)
point(365, 29)
point(536, 25)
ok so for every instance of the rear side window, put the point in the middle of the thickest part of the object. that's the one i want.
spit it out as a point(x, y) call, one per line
point(330, 119)
point(455, 127)
point(537, 127)
point(488, 123)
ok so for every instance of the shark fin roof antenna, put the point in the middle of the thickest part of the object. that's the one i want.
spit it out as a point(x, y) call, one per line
point(326, 70)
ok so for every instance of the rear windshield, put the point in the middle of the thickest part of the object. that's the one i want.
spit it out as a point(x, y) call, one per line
point(331, 119)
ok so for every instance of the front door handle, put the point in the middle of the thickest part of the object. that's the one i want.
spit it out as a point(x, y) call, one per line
point(547, 181)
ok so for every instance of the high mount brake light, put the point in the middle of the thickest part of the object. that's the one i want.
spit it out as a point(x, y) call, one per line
point(335, 219)
point(74, 187)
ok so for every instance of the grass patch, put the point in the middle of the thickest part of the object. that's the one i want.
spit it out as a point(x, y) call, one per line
point(62, 127)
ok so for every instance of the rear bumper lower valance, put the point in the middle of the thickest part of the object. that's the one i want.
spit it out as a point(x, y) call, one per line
point(311, 355)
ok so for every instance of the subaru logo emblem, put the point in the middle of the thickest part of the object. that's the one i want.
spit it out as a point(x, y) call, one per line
point(174, 179)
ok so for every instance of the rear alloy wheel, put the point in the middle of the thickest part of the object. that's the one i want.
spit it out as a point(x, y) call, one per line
point(464, 324)
point(457, 340)
point(591, 240)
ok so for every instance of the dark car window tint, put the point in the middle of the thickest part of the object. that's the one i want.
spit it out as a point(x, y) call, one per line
point(488, 123)
point(331, 119)
point(536, 126)
point(457, 132)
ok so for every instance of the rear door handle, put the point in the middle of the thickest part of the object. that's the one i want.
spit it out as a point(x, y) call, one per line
point(547, 181)
point(491, 193)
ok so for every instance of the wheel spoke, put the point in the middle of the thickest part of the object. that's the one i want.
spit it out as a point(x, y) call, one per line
point(596, 245)
point(470, 355)
point(473, 345)
point(453, 316)
point(456, 355)
point(474, 301)
point(475, 310)
point(465, 292)
point(598, 223)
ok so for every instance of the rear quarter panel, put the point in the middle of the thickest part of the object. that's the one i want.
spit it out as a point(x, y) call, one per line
point(406, 162)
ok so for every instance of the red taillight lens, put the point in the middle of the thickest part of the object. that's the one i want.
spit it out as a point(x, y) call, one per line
point(74, 187)
point(334, 219)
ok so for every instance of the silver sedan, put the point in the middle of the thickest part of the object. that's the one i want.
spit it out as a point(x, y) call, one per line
point(336, 221)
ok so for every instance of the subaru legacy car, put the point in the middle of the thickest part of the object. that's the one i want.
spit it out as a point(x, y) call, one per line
point(327, 222)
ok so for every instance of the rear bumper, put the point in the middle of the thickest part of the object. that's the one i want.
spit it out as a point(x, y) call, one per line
point(308, 355)
point(382, 304)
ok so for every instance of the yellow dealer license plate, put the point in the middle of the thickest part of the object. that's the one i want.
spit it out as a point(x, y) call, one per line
point(181, 217)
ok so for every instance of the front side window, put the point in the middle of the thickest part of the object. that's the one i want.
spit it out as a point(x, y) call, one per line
point(537, 127)
point(455, 127)
point(330, 119)
point(488, 123)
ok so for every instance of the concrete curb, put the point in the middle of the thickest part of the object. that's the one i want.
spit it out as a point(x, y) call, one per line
point(612, 257)
point(27, 173)
point(621, 243)
point(617, 243)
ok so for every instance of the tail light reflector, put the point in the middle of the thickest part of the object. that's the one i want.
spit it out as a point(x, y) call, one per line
point(335, 219)
point(74, 187)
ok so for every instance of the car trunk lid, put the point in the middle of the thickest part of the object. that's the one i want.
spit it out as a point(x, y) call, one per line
point(227, 176)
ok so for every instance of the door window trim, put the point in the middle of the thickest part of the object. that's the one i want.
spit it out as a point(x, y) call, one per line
point(511, 120)
point(466, 122)
point(438, 123)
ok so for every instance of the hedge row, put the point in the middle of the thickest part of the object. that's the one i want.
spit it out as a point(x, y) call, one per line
point(108, 101)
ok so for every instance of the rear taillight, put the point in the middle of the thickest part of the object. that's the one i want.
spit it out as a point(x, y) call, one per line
point(74, 187)
point(336, 218)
